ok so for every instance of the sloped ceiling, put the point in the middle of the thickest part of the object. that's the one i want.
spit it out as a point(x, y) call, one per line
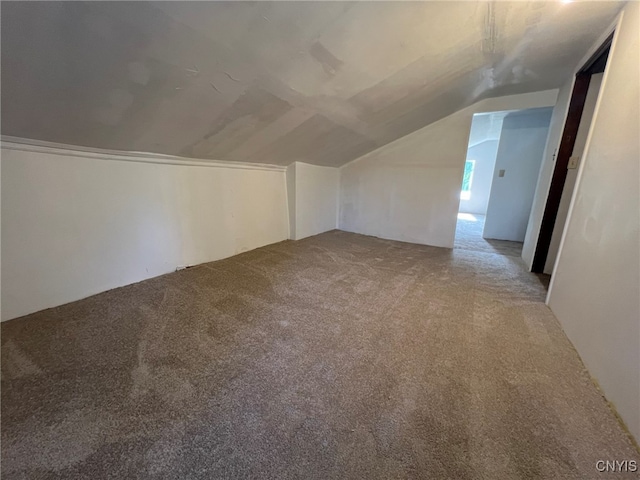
point(274, 82)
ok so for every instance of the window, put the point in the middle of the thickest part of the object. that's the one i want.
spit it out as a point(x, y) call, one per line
point(467, 178)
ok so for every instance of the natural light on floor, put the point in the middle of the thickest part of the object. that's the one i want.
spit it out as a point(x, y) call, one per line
point(467, 216)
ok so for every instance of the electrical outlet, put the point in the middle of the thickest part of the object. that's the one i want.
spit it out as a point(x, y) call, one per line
point(573, 162)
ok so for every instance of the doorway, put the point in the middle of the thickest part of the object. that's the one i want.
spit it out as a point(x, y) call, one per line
point(476, 181)
point(579, 115)
point(503, 159)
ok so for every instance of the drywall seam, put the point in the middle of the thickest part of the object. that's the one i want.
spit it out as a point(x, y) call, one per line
point(476, 107)
point(37, 146)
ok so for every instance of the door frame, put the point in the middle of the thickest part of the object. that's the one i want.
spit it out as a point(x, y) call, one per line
point(595, 64)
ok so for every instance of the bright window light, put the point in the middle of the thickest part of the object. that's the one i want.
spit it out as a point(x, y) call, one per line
point(467, 216)
point(467, 178)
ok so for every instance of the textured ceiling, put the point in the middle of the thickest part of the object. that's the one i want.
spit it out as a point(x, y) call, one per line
point(274, 82)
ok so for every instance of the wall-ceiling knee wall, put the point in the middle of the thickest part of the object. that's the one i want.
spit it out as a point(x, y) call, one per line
point(78, 223)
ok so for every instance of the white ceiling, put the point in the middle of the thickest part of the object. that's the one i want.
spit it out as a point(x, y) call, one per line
point(274, 82)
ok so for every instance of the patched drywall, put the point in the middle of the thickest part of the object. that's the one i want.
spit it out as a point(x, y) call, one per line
point(596, 282)
point(313, 199)
point(409, 190)
point(274, 82)
point(517, 165)
point(75, 224)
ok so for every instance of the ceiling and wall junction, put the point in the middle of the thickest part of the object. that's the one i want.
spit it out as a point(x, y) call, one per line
point(274, 82)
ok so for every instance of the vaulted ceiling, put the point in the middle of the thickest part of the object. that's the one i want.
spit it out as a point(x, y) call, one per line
point(274, 82)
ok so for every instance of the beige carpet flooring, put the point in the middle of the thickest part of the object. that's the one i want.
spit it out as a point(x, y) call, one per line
point(469, 237)
point(335, 357)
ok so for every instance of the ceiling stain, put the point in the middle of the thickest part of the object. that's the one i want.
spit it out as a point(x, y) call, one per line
point(252, 111)
point(329, 63)
point(274, 82)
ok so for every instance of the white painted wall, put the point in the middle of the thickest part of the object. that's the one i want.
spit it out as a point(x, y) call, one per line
point(313, 195)
point(520, 150)
point(572, 173)
point(75, 224)
point(595, 287)
point(291, 199)
point(409, 189)
point(484, 154)
point(556, 127)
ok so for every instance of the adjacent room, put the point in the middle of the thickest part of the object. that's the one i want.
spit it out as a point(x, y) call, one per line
point(500, 173)
point(320, 240)
point(477, 179)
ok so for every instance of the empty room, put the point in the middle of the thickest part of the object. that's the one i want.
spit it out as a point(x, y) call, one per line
point(320, 240)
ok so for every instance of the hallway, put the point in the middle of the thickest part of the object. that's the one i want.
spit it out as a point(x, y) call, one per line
point(469, 237)
point(336, 356)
